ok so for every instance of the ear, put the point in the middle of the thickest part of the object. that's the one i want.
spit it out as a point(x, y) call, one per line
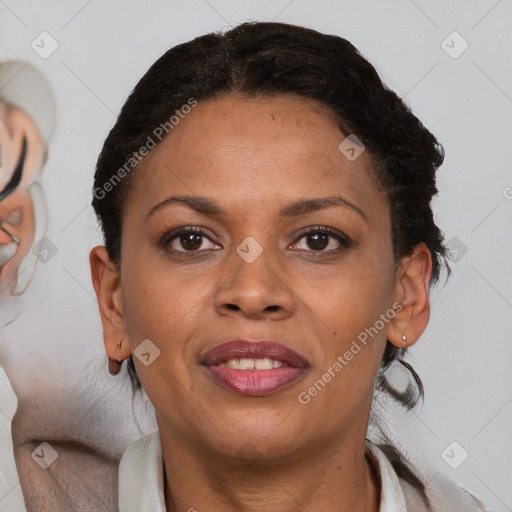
point(412, 292)
point(107, 285)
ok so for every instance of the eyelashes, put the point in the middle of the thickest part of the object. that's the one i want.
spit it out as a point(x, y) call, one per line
point(320, 234)
point(191, 232)
point(196, 239)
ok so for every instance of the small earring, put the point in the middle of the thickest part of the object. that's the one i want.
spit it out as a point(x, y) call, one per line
point(404, 338)
point(114, 367)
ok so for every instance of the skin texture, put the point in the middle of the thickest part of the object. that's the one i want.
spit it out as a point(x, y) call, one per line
point(224, 451)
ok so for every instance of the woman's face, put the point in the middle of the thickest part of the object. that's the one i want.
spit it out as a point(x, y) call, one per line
point(259, 267)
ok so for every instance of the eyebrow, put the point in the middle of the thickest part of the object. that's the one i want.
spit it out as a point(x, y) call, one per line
point(210, 208)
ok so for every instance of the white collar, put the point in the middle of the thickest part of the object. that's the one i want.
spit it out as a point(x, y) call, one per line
point(392, 497)
point(141, 478)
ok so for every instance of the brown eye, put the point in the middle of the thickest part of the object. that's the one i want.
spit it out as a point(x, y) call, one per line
point(187, 240)
point(320, 240)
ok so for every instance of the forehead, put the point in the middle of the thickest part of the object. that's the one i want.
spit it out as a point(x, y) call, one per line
point(255, 151)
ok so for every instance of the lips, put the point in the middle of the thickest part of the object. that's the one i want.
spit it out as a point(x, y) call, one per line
point(234, 364)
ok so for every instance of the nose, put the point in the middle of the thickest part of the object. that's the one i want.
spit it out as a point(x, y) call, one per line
point(255, 290)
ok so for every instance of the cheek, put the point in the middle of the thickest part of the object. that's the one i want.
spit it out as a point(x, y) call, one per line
point(356, 308)
point(357, 293)
point(154, 305)
point(167, 309)
point(165, 305)
point(342, 381)
point(153, 311)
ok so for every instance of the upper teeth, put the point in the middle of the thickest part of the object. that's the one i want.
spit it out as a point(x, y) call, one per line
point(246, 363)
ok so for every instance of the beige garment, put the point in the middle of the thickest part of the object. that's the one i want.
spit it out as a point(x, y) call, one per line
point(141, 486)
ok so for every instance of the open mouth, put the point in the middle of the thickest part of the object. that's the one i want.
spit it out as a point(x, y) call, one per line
point(247, 363)
point(254, 368)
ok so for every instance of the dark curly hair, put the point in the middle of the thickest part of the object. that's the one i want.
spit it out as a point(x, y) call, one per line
point(262, 59)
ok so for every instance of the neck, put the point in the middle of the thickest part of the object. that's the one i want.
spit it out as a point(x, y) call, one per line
point(336, 477)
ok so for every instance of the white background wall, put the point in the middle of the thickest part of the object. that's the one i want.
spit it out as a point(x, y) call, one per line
point(465, 356)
